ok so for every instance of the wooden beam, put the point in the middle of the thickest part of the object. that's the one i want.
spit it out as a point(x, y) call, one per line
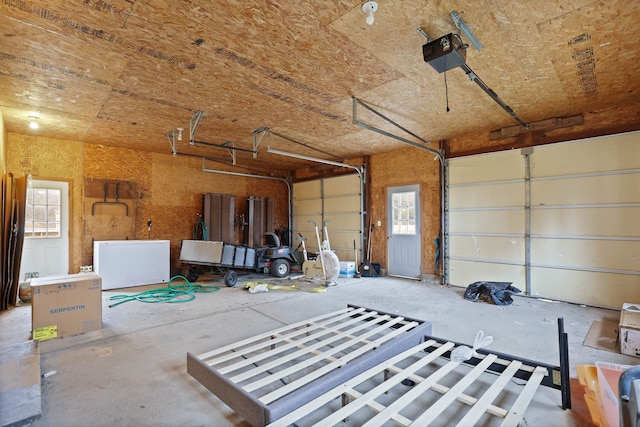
point(531, 139)
point(541, 125)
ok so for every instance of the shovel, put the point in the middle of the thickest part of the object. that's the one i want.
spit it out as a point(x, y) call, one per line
point(355, 257)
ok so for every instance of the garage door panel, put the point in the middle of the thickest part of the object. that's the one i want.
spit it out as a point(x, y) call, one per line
point(341, 185)
point(585, 287)
point(505, 165)
point(615, 152)
point(583, 253)
point(510, 249)
point(342, 245)
point(336, 200)
point(342, 205)
point(308, 207)
point(464, 273)
point(307, 190)
point(619, 222)
point(582, 228)
point(338, 222)
point(302, 225)
point(498, 221)
point(617, 189)
point(482, 196)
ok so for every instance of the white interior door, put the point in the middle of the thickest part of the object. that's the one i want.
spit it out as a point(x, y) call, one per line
point(46, 243)
point(403, 233)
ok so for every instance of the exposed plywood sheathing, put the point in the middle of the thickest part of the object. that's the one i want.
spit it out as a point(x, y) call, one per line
point(109, 212)
point(110, 79)
point(123, 74)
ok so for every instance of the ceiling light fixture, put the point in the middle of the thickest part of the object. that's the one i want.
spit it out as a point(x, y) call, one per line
point(33, 122)
point(369, 8)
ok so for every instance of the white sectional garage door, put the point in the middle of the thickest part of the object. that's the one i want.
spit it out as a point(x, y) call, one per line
point(336, 200)
point(560, 221)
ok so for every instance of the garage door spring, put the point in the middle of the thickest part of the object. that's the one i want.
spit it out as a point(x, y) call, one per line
point(171, 294)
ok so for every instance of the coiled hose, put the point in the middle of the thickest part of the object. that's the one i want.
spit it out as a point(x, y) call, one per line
point(200, 231)
point(171, 294)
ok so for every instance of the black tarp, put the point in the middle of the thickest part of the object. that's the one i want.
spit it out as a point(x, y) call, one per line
point(498, 293)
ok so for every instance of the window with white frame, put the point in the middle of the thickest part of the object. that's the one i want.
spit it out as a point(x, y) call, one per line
point(43, 210)
point(404, 213)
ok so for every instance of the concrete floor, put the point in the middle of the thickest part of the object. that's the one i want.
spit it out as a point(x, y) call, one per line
point(133, 371)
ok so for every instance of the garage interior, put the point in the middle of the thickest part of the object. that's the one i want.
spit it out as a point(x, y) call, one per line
point(440, 143)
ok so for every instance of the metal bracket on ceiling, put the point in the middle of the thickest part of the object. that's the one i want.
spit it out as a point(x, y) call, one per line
point(194, 122)
point(462, 26)
point(356, 122)
point(258, 134)
point(424, 34)
point(173, 136)
point(231, 148)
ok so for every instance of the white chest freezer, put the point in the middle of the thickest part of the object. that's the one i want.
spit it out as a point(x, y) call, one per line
point(127, 263)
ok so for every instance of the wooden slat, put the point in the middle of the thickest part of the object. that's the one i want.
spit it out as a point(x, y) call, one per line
point(466, 399)
point(443, 403)
point(377, 407)
point(253, 339)
point(332, 394)
point(328, 368)
point(479, 406)
point(292, 343)
point(384, 387)
point(522, 402)
point(412, 394)
point(305, 351)
point(484, 403)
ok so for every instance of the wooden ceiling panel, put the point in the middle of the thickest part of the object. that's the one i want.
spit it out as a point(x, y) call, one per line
point(596, 59)
point(125, 73)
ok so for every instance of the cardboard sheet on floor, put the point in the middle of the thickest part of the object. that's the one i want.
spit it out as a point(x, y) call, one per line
point(603, 335)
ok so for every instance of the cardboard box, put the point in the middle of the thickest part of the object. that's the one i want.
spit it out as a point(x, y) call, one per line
point(66, 305)
point(347, 269)
point(630, 329)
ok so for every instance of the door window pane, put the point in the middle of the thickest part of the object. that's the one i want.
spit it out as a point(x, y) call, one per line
point(42, 213)
point(404, 213)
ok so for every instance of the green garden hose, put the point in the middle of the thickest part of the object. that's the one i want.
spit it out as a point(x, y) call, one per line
point(200, 231)
point(170, 294)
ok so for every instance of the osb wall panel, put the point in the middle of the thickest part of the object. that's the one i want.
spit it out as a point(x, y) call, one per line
point(52, 159)
point(623, 118)
point(166, 190)
point(109, 213)
point(109, 164)
point(406, 167)
point(177, 186)
point(3, 144)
